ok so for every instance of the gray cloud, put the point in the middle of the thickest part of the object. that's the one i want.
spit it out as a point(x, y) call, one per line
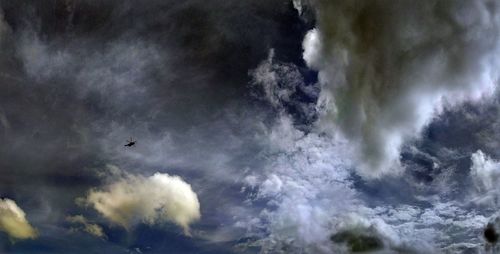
point(196, 85)
point(81, 223)
point(388, 68)
point(80, 77)
point(311, 194)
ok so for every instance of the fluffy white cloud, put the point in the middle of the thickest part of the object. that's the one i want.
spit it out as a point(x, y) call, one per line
point(83, 224)
point(310, 197)
point(387, 68)
point(306, 183)
point(484, 171)
point(155, 199)
point(305, 186)
point(485, 174)
point(13, 221)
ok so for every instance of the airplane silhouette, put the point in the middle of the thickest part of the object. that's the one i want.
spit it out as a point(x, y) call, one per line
point(130, 142)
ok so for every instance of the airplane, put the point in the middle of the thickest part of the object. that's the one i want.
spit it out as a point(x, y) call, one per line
point(130, 142)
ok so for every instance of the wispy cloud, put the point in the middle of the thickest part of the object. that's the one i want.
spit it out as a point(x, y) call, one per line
point(81, 223)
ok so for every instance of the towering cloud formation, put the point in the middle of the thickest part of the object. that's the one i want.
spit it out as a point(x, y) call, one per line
point(155, 199)
point(13, 221)
point(387, 68)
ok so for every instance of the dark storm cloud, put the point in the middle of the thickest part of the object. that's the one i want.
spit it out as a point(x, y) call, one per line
point(387, 60)
point(79, 77)
point(390, 68)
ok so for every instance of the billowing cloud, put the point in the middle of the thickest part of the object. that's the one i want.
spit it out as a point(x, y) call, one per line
point(315, 206)
point(156, 199)
point(82, 223)
point(13, 221)
point(387, 69)
point(79, 81)
point(485, 171)
point(485, 174)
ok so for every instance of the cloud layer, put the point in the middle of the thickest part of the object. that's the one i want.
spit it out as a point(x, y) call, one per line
point(13, 221)
point(156, 199)
point(191, 82)
point(388, 68)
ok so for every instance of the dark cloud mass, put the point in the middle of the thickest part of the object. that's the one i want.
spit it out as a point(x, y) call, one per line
point(263, 126)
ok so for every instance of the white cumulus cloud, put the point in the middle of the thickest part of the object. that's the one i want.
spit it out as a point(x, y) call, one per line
point(485, 171)
point(485, 174)
point(314, 206)
point(13, 221)
point(156, 199)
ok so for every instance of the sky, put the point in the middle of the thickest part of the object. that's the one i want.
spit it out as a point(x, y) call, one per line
point(261, 126)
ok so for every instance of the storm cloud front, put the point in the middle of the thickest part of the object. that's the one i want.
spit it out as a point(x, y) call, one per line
point(263, 126)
